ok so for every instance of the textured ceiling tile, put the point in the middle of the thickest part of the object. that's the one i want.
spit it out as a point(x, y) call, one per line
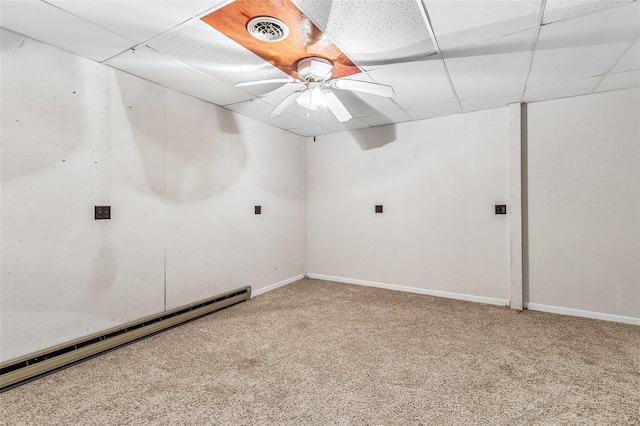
point(459, 23)
point(49, 24)
point(353, 124)
point(202, 47)
point(583, 47)
point(494, 66)
point(493, 101)
point(372, 32)
point(435, 111)
point(363, 104)
point(259, 110)
point(557, 10)
point(618, 81)
point(310, 131)
point(416, 84)
point(124, 17)
point(390, 118)
point(152, 66)
point(630, 60)
point(561, 90)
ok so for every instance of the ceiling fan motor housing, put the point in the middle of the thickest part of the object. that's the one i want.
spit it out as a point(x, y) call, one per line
point(314, 68)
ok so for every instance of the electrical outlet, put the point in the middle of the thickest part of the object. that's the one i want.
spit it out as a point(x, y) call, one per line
point(378, 209)
point(102, 212)
point(258, 210)
point(501, 209)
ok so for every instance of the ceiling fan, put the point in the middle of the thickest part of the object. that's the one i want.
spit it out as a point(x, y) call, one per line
point(315, 88)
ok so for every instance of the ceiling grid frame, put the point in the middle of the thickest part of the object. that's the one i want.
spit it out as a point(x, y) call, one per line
point(543, 6)
point(624, 52)
point(427, 21)
point(100, 31)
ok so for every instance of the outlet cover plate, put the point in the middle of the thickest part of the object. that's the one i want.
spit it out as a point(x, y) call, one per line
point(102, 212)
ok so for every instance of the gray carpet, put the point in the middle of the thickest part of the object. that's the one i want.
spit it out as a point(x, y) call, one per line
point(316, 352)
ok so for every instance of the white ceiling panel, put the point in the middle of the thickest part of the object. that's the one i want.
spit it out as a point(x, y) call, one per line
point(583, 47)
point(416, 84)
point(310, 131)
point(561, 90)
point(459, 23)
point(557, 10)
point(206, 49)
point(435, 111)
point(494, 66)
point(621, 80)
point(49, 24)
point(124, 17)
point(373, 32)
point(390, 118)
point(152, 66)
point(630, 60)
point(492, 101)
point(363, 104)
point(353, 124)
point(259, 110)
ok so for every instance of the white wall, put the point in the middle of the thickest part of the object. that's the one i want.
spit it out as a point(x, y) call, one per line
point(438, 180)
point(584, 205)
point(182, 177)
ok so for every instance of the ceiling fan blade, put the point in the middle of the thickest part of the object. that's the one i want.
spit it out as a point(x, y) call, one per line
point(336, 107)
point(286, 103)
point(364, 87)
point(272, 80)
point(284, 89)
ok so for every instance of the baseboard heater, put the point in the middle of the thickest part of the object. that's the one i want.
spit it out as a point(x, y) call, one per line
point(19, 370)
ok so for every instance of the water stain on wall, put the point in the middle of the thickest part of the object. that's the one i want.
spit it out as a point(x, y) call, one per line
point(190, 150)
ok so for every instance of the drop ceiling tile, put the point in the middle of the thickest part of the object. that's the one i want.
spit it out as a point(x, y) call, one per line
point(416, 84)
point(630, 60)
point(492, 101)
point(125, 17)
point(494, 66)
point(259, 110)
point(621, 80)
point(353, 124)
point(150, 65)
point(364, 104)
point(204, 48)
point(557, 10)
point(435, 111)
point(561, 90)
point(459, 23)
point(50, 25)
point(310, 131)
point(373, 32)
point(382, 119)
point(583, 47)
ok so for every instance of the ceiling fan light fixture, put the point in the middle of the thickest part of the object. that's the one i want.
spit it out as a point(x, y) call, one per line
point(268, 28)
point(312, 98)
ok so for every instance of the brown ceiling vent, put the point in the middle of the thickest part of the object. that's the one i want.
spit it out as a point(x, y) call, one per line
point(269, 29)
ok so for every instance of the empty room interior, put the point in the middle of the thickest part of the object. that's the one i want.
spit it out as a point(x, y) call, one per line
point(320, 212)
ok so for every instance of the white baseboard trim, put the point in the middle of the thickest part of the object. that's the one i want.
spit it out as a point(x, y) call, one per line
point(580, 313)
point(437, 293)
point(276, 285)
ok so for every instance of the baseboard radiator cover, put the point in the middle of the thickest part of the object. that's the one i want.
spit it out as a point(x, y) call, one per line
point(25, 368)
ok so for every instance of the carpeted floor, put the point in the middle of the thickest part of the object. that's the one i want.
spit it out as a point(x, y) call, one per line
point(316, 352)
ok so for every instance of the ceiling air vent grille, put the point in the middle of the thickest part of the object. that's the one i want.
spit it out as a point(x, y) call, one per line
point(269, 29)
